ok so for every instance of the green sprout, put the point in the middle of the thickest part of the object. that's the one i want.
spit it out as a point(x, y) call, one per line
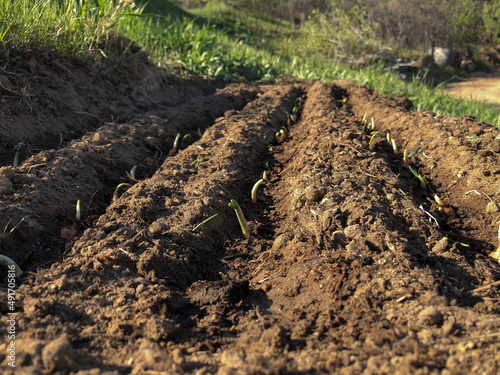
point(364, 121)
point(438, 200)
point(241, 218)
point(374, 134)
point(281, 132)
point(116, 194)
point(372, 124)
point(203, 222)
point(388, 137)
point(255, 187)
point(417, 175)
point(78, 212)
point(6, 261)
point(394, 146)
point(185, 138)
point(175, 147)
point(196, 163)
point(17, 148)
point(131, 174)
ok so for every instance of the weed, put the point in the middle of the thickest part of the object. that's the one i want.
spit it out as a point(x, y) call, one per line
point(241, 218)
point(196, 163)
point(203, 222)
point(474, 138)
point(418, 176)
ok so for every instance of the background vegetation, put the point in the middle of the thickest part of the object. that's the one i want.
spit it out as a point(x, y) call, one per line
point(260, 40)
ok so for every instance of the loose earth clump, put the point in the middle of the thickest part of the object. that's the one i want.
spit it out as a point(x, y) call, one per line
point(351, 265)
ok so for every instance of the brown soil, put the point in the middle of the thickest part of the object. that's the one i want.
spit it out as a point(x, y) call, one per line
point(344, 271)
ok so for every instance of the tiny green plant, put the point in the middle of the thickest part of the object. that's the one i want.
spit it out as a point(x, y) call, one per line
point(131, 174)
point(373, 135)
point(196, 163)
point(394, 146)
point(17, 149)
point(372, 124)
point(496, 254)
point(175, 147)
point(281, 132)
point(203, 223)
point(418, 176)
point(116, 193)
point(241, 218)
point(78, 211)
point(185, 139)
point(255, 187)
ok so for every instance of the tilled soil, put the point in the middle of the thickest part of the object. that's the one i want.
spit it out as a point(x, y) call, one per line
point(351, 265)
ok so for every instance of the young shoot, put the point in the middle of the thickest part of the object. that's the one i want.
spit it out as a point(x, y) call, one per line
point(438, 200)
point(496, 254)
point(394, 146)
point(372, 124)
point(255, 187)
point(175, 147)
point(78, 212)
point(6, 261)
point(388, 136)
point(184, 139)
point(203, 222)
point(241, 218)
point(420, 178)
point(132, 173)
point(405, 156)
point(17, 148)
point(116, 194)
point(374, 134)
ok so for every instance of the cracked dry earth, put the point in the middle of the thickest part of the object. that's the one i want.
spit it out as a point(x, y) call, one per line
point(345, 271)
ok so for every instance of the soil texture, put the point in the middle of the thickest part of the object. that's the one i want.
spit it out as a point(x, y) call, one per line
point(351, 265)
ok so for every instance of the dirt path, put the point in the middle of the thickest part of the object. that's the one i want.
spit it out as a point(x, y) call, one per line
point(478, 86)
point(351, 266)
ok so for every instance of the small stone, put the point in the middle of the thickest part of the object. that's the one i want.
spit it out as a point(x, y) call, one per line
point(440, 247)
point(6, 186)
point(430, 316)
point(491, 207)
point(352, 231)
point(58, 355)
point(7, 172)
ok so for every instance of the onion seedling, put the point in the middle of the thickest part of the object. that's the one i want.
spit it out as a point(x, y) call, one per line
point(241, 218)
point(175, 147)
point(116, 194)
point(496, 254)
point(132, 172)
point(185, 138)
point(255, 187)
point(6, 261)
point(78, 212)
point(17, 148)
point(394, 146)
point(374, 134)
point(372, 124)
point(417, 175)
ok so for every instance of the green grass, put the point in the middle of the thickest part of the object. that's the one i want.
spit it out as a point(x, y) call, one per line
point(221, 43)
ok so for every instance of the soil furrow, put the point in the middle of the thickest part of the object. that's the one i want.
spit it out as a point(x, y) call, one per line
point(44, 190)
point(458, 159)
point(145, 244)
